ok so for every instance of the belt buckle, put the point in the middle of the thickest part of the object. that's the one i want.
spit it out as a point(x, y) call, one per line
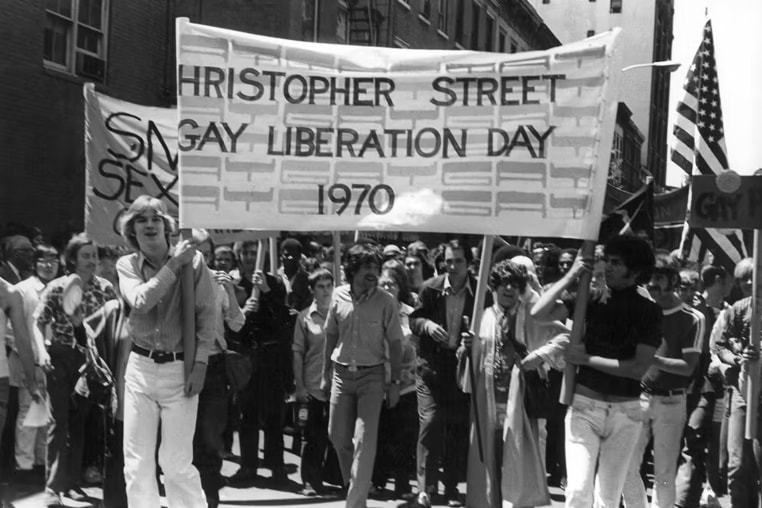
point(353, 368)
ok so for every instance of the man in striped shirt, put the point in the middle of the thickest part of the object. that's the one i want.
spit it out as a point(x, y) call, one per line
point(665, 386)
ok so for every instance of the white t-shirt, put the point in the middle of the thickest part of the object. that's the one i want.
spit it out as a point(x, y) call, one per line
point(3, 358)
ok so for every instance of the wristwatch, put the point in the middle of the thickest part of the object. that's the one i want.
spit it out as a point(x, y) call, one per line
point(396, 382)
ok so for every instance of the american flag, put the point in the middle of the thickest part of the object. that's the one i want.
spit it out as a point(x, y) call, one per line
point(699, 149)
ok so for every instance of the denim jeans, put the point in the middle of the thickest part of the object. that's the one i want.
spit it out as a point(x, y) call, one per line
point(695, 460)
point(664, 420)
point(743, 471)
point(67, 428)
point(211, 420)
point(356, 399)
point(153, 392)
point(599, 436)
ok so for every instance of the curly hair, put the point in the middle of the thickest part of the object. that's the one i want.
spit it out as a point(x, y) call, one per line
point(359, 254)
point(507, 272)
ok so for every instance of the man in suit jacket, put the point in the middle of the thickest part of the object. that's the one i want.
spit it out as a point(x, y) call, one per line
point(18, 258)
point(443, 409)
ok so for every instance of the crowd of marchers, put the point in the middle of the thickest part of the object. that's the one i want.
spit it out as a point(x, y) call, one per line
point(373, 369)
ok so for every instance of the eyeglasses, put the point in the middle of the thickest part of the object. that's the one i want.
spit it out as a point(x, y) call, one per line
point(47, 261)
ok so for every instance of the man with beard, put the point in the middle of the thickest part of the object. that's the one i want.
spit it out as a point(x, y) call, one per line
point(665, 386)
point(361, 322)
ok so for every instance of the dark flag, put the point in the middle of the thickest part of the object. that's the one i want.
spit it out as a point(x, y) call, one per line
point(634, 216)
point(699, 149)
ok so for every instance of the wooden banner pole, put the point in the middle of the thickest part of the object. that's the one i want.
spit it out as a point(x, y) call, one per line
point(274, 256)
point(580, 310)
point(752, 394)
point(336, 236)
point(475, 324)
point(259, 266)
point(188, 306)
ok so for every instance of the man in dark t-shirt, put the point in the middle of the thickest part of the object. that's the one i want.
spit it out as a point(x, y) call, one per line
point(621, 336)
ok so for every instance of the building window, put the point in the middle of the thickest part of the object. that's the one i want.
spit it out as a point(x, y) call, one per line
point(590, 33)
point(400, 43)
point(426, 9)
point(616, 6)
point(476, 11)
point(501, 41)
point(75, 37)
point(460, 13)
point(310, 20)
point(514, 45)
point(546, 1)
point(342, 25)
point(442, 16)
point(489, 34)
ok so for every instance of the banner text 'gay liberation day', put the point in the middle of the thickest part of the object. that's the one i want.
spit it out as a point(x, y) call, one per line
point(276, 134)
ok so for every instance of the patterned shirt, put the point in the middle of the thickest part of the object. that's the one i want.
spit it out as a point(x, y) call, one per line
point(96, 292)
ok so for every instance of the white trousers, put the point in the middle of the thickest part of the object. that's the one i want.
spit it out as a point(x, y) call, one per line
point(599, 435)
point(31, 442)
point(154, 393)
point(664, 419)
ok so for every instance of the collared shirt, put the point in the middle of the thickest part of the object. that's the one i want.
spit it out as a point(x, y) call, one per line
point(155, 296)
point(227, 314)
point(309, 339)
point(15, 270)
point(95, 293)
point(31, 290)
point(362, 326)
point(455, 301)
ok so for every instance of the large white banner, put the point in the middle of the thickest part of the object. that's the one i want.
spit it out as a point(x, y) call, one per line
point(130, 150)
point(278, 134)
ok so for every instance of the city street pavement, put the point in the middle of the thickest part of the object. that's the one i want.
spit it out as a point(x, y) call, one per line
point(261, 495)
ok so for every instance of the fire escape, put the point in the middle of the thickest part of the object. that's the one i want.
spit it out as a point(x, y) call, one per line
point(369, 22)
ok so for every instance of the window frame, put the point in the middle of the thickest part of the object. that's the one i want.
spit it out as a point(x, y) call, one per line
point(73, 50)
point(476, 14)
point(490, 24)
point(443, 12)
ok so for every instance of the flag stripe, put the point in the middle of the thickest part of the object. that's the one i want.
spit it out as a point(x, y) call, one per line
point(699, 148)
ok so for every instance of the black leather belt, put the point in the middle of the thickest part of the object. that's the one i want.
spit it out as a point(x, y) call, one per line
point(357, 368)
point(665, 393)
point(158, 356)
